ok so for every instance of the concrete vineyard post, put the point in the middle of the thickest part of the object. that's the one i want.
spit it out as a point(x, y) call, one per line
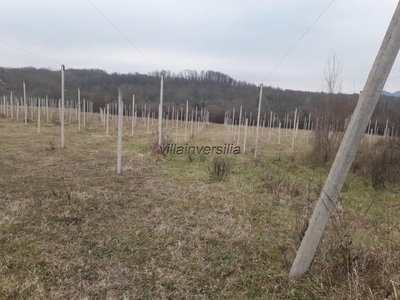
point(273, 121)
point(160, 111)
point(176, 127)
point(191, 125)
point(79, 109)
point(294, 127)
point(119, 138)
point(270, 125)
point(233, 123)
point(245, 135)
point(370, 136)
point(349, 145)
point(369, 127)
point(6, 106)
point(285, 123)
point(263, 124)
point(199, 121)
point(70, 111)
point(386, 135)
point(186, 118)
point(38, 131)
point(108, 118)
point(166, 118)
point(31, 107)
point(17, 109)
point(279, 133)
point(133, 113)
point(144, 114)
point(47, 110)
point(148, 121)
point(11, 105)
point(258, 121)
point(62, 106)
point(84, 112)
point(172, 117)
point(240, 119)
point(25, 104)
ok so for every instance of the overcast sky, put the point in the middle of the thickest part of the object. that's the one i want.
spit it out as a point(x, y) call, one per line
point(244, 39)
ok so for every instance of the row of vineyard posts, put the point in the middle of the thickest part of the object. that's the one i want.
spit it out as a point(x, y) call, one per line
point(80, 111)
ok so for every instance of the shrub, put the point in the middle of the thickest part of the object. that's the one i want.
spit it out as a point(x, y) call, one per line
point(219, 168)
point(155, 148)
point(325, 146)
point(379, 163)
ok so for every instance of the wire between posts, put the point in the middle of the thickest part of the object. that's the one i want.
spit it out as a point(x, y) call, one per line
point(298, 41)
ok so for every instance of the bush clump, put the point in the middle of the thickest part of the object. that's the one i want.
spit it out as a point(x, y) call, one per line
point(379, 163)
point(219, 168)
point(326, 143)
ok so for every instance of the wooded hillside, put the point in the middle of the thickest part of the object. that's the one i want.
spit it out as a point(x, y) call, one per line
point(216, 91)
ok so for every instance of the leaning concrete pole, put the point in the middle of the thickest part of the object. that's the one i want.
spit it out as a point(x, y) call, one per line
point(160, 111)
point(348, 148)
point(258, 121)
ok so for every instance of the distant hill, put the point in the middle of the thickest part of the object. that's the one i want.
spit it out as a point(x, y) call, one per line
point(388, 94)
point(396, 94)
point(213, 90)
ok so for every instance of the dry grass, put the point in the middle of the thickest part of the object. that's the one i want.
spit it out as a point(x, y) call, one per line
point(70, 228)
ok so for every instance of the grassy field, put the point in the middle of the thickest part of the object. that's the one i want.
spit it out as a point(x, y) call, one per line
point(70, 228)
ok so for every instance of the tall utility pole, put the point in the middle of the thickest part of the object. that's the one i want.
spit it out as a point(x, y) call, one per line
point(348, 148)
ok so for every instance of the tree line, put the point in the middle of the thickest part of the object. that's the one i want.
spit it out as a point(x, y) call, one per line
point(216, 91)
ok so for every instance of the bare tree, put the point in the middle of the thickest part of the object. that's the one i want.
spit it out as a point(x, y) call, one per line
point(332, 73)
point(330, 112)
